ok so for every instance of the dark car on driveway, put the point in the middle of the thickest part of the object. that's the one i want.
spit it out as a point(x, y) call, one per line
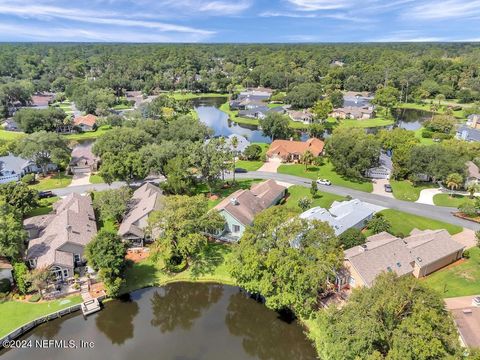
point(45, 194)
point(388, 188)
point(241, 170)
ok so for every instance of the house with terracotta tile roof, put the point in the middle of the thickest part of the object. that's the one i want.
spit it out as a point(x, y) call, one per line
point(144, 201)
point(419, 254)
point(239, 209)
point(57, 240)
point(291, 151)
point(86, 123)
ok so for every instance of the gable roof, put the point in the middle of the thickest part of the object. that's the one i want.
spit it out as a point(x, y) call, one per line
point(89, 120)
point(385, 252)
point(243, 205)
point(145, 199)
point(286, 147)
point(73, 222)
point(13, 163)
point(472, 169)
point(342, 215)
point(467, 133)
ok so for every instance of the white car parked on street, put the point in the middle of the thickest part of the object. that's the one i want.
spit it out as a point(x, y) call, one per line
point(324, 182)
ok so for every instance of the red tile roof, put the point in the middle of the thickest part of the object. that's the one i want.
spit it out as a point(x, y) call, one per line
point(89, 120)
point(283, 148)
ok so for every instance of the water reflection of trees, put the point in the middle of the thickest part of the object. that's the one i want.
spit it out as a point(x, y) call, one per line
point(116, 320)
point(178, 305)
point(264, 335)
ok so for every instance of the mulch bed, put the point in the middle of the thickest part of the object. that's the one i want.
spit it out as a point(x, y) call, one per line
point(137, 255)
point(465, 217)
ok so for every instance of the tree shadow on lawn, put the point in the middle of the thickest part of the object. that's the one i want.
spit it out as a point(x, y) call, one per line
point(139, 275)
point(208, 260)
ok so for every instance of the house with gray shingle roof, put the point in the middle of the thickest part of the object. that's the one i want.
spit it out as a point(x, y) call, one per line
point(58, 240)
point(342, 215)
point(239, 209)
point(12, 168)
point(467, 133)
point(144, 201)
point(420, 254)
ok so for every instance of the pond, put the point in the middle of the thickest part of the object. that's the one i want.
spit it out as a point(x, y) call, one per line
point(209, 114)
point(411, 119)
point(178, 321)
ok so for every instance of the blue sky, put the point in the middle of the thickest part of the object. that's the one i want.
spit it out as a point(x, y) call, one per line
point(240, 20)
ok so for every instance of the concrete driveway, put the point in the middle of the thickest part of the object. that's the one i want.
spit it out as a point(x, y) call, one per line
point(379, 187)
point(426, 196)
point(271, 165)
point(466, 238)
point(80, 179)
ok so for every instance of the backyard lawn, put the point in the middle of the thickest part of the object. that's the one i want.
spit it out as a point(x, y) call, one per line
point(44, 207)
point(53, 182)
point(367, 123)
point(423, 141)
point(461, 279)
point(325, 171)
point(451, 201)
point(10, 135)
point(96, 179)
point(209, 267)
point(16, 313)
point(404, 223)
point(89, 134)
point(405, 190)
point(322, 199)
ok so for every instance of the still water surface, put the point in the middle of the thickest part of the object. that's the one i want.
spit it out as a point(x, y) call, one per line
point(180, 321)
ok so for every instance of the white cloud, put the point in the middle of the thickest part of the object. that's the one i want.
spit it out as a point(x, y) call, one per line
point(46, 12)
point(316, 5)
point(407, 36)
point(193, 8)
point(444, 9)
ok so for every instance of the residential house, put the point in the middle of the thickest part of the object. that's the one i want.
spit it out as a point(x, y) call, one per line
point(10, 125)
point(473, 174)
point(13, 168)
point(357, 99)
point(83, 160)
point(468, 133)
point(240, 208)
point(259, 112)
point(303, 116)
point(242, 143)
point(86, 123)
point(291, 151)
point(42, 100)
point(144, 201)
point(250, 99)
point(383, 170)
point(350, 112)
point(58, 240)
point(136, 97)
point(5, 269)
point(343, 215)
point(419, 254)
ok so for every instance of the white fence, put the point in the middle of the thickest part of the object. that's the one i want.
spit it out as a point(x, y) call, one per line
point(26, 327)
point(9, 178)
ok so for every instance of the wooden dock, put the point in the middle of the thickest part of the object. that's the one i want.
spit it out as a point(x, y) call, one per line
point(91, 306)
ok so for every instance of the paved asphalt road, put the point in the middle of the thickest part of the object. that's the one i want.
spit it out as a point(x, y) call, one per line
point(430, 211)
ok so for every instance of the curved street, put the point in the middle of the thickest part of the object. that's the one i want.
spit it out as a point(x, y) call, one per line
point(430, 211)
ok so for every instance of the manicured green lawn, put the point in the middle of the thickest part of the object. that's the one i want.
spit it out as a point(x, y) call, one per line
point(367, 123)
point(16, 313)
point(53, 182)
point(189, 96)
point(325, 171)
point(10, 135)
point(459, 280)
point(404, 223)
point(451, 201)
point(322, 199)
point(441, 110)
point(423, 141)
point(209, 267)
point(89, 134)
point(96, 179)
point(253, 165)
point(122, 107)
point(404, 190)
point(44, 207)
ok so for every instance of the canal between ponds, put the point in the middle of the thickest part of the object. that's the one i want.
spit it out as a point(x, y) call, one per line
point(180, 321)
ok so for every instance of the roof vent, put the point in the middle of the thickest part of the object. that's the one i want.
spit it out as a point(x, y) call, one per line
point(234, 201)
point(363, 247)
point(419, 259)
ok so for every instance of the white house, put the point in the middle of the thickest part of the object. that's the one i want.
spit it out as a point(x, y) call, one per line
point(12, 168)
point(343, 215)
point(383, 170)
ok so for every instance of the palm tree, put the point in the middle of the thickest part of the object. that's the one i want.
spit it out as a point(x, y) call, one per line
point(472, 189)
point(307, 158)
point(234, 144)
point(440, 98)
point(454, 181)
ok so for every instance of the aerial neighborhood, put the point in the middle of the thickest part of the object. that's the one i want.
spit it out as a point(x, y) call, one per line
point(319, 185)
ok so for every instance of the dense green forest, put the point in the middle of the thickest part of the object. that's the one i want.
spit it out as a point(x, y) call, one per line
point(416, 70)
